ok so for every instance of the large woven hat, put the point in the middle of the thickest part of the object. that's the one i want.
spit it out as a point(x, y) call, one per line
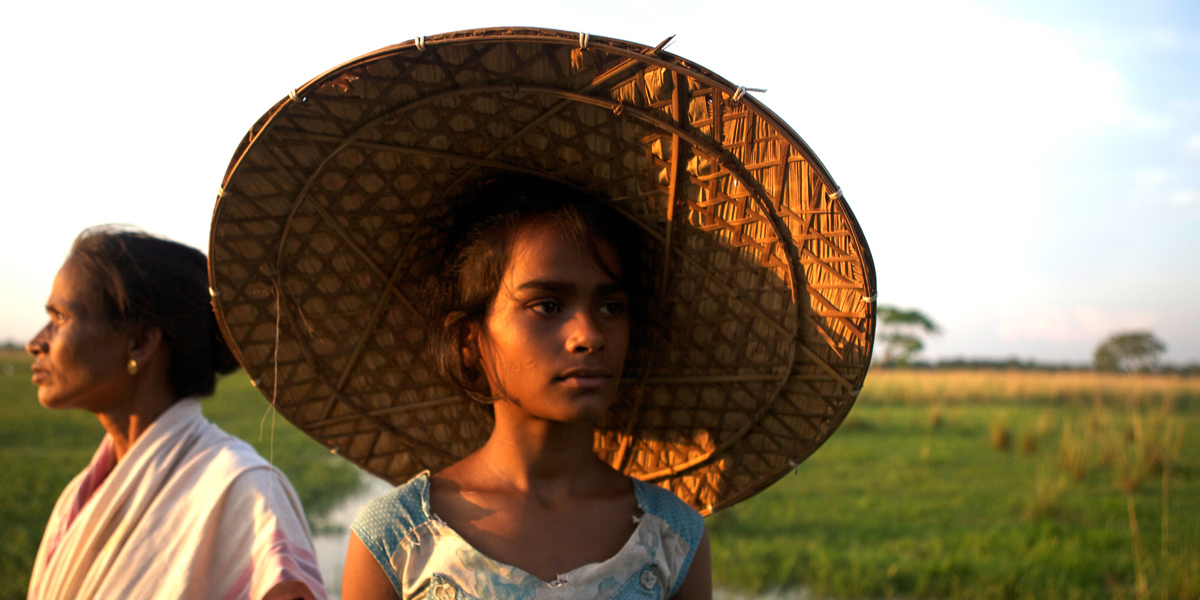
point(331, 212)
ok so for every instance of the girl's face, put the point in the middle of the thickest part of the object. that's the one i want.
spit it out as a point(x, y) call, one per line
point(79, 359)
point(555, 336)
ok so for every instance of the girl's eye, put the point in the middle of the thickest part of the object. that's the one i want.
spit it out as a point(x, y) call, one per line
point(546, 307)
point(613, 307)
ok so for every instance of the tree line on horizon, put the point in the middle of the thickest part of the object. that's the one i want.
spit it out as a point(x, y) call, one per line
point(902, 333)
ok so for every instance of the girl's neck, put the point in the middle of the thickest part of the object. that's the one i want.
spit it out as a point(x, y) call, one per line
point(528, 452)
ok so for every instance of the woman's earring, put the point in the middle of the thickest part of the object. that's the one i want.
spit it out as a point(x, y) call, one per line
point(131, 367)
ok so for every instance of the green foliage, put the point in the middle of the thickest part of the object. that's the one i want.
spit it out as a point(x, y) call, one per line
point(901, 332)
point(892, 507)
point(1132, 351)
point(38, 457)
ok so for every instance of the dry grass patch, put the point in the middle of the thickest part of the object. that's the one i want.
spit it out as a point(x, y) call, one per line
point(1000, 433)
point(1087, 387)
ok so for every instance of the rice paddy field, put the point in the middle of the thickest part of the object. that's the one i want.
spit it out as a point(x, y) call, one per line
point(986, 484)
point(940, 484)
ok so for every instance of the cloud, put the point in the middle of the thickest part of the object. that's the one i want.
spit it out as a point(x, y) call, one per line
point(1152, 177)
point(1067, 325)
point(1097, 323)
point(1183, 198)
point(1045, 323)
point(937, 117)
point(1192, 145)
point(1168, 186)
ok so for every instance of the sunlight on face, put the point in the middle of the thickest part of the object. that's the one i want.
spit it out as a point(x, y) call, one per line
point(556, 334)
point(79, 359)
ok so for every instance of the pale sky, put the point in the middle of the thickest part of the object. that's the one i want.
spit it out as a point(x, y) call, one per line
point(1028, 176)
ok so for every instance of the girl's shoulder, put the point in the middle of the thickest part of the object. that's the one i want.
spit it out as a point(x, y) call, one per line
point(680, 530)
point(386, 520)
point(389, 525)
point(664, 504)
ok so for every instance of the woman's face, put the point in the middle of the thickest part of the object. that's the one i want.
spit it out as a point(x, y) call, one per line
point(79, 359)
point(556, 334)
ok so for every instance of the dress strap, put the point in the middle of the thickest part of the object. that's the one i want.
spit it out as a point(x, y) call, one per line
point(385, 522)
point(683, 519)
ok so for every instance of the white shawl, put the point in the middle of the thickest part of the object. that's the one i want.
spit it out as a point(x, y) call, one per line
point(189, 512)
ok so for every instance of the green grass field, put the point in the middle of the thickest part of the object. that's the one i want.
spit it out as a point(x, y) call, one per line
point(962, 492)
point(939, 485)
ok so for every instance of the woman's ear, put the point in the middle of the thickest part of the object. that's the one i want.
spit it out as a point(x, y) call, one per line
point(145, 342)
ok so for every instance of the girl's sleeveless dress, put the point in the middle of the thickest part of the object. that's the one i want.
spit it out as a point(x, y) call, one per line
point(427, 559)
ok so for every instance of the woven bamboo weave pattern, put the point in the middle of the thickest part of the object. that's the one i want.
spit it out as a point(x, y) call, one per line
point(321, 234)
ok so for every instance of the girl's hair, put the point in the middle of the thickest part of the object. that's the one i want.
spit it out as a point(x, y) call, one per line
point(485, 224)
point(139, 280)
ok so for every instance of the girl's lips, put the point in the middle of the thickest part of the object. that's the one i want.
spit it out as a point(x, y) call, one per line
point(40, 376)
point(585, 377)
point(584, 382)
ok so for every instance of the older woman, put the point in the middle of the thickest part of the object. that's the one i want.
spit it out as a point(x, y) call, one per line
point(170, 506)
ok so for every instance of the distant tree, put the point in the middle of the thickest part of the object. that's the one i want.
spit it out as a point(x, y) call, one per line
point(1129, 351)
point(902, 331)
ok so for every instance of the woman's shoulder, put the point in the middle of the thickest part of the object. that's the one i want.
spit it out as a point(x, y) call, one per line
point(198, 451)
point(394, 514)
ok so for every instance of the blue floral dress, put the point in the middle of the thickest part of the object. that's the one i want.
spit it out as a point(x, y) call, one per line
point(426, 559)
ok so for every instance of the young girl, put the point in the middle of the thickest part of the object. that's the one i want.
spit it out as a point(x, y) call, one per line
point(541, 295)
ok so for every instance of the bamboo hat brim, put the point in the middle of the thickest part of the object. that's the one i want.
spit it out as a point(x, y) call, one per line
point(330, 214)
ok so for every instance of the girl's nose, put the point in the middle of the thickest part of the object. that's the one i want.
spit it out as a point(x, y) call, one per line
point(586, 334)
